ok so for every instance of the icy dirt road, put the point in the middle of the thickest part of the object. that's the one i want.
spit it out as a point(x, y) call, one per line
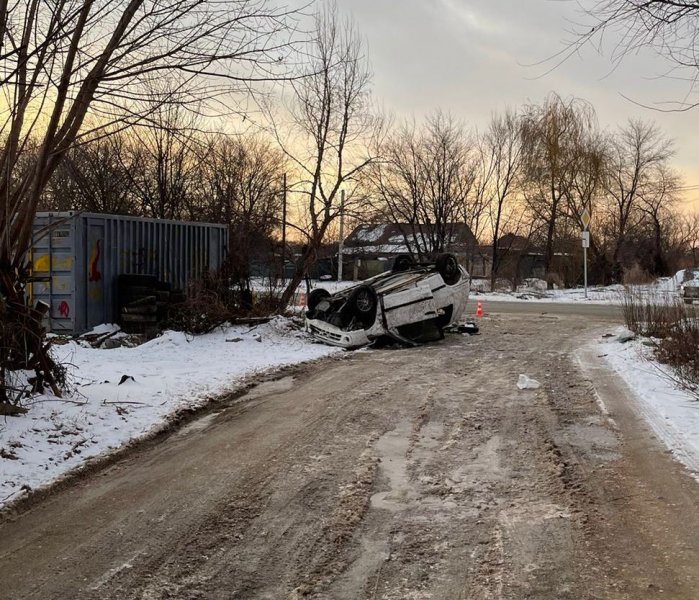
point(395, 474)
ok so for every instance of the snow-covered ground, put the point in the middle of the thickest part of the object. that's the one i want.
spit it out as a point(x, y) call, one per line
point(664, 289)
point(168, 374)
point(672, 413)
point(612, 294)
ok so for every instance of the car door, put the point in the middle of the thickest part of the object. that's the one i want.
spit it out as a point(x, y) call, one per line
point(410, 305)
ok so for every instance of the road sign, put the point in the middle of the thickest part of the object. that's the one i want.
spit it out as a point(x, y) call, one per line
point(586, 239)
point(585, 218)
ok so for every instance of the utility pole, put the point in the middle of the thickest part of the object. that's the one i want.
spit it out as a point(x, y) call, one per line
point(283, 227)
point(342, 235)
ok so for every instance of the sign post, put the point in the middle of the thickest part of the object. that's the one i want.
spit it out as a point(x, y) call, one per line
point(585, 218)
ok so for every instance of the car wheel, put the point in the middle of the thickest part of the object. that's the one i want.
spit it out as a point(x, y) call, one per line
point(315, 296)
point(448, 268)
point(363, 302)
point(402, 263)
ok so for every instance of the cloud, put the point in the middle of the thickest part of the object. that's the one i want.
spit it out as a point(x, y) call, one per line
point(472, 57)
point(475, 22)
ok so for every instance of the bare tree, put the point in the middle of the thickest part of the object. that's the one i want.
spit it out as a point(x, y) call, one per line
point(329, 131)
point(552, 134)
point(667, 26)
point(657, 202)
point(65, 60)
point(241, 185)
point(167, 151)
point(94, 176)
point(587, 193)
point(425, 182)
point(501, 171)
point(637, 154)
point(682, 233)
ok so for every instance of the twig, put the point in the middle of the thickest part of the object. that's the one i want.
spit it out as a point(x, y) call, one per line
point(98, 342)
point(251, 320)
point(77, 445)
point(61, 400)
point(6, 498)
point(105, 402)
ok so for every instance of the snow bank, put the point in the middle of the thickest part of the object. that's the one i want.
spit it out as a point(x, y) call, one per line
point(665, 289)
point(161, 377)
point(672, 414)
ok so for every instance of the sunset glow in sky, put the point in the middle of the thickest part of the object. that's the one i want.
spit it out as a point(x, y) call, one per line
point(471, 58)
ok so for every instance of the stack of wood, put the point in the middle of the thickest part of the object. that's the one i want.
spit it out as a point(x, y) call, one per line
point(143, 303)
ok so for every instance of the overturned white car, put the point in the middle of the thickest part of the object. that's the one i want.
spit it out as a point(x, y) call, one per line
point(411, 304)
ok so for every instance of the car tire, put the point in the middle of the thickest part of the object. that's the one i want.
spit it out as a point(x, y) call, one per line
point(402, 263)
point(315, 296)
point(363, 302)
point(448, 268)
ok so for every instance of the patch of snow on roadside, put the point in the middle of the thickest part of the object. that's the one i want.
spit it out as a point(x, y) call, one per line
point(170, 373)
point(672, 414)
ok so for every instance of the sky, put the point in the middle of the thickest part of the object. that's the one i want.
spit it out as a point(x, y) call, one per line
point(474, 57)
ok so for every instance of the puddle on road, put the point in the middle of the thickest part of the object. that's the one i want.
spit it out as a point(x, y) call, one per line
point(392, 448)
point(593, 439)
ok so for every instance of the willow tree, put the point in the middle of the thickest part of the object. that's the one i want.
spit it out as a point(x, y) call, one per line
point(73, 70)
point(553, 137)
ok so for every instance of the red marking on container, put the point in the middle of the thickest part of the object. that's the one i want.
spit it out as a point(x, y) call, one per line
point(95, 275)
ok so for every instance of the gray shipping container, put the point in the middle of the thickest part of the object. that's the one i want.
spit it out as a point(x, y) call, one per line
point(78, 260)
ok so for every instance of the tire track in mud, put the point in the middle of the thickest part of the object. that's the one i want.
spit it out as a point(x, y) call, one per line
point(396, 474)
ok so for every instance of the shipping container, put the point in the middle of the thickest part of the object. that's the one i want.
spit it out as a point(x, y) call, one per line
point(77, 257)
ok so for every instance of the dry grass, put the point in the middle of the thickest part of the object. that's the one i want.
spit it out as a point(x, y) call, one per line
point(651, 315)
point(637, 276)
point(680, 351)
point(675, 329)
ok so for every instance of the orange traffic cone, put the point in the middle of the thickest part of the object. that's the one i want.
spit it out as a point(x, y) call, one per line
point(479, 309)
point(301, 300)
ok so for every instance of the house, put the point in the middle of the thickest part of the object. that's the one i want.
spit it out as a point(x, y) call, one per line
point(371, 248)
point(519, 258)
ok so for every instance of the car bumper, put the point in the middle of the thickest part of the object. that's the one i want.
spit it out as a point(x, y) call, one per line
point(335, 336)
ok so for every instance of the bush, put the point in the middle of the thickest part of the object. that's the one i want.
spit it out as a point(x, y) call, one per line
point(216, 299)
point(680, 351)
point(24, 348)
point(636, 275)
point(675, 327)
point(651, 315)
point(202, 311)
